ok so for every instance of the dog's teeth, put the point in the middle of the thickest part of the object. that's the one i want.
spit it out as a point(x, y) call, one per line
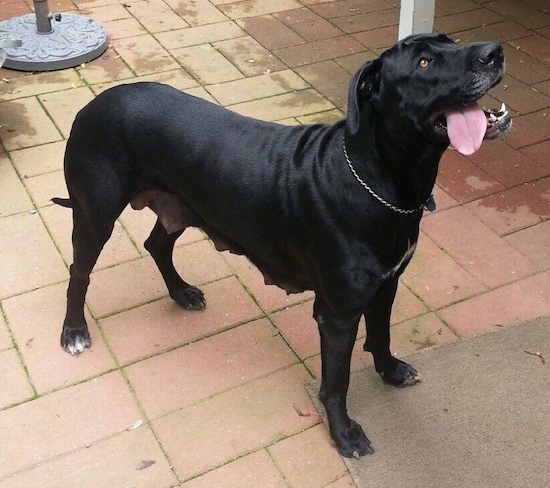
point(502, 108)
point(492, 118)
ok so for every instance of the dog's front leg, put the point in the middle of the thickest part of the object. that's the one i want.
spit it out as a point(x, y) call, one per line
point(337, 340)
point(377, 316)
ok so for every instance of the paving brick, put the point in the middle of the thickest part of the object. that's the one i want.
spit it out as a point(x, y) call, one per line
point(256, 87)
point(522, 66)
point(119, 29)
point(425, 331)
point(62, 107)
point(345, 8)
point(437, 278)
point(278, 107)
point(28, 258)
point(38, 160)
point(256, 469)
point(298, 459)
point(452, 7)
point(26, 124)
point(326, 117)
point(308, 24)
point(253, 8)
point(128, 459)
point(381, 38)
point(59, 223)
point(377, 19)
point(15, 384)
point(198, 12)
point(329, 79)
point(500, 307)
point(5, 339)
point(480, 251)
point(539, 153)
point(14, 197)
point(144, 55)
point(176, 78)
point(35, 320)
point(107, 68)
point(201, 92)
point(38, 83)
point(507, 165)
point(516, 208)
point(43, 187)
point(536, 46)
point(406, 305)
point(137, 282)
point(466, 20)
point(520, 12)
point(204, 34)
point(249, 56)
point(519, 97)
point(345, 481)
point(63, 421)
point(270, 32)
point(156, 16)
point(14, 9)
point(269, 297)
point(498, 32)
point(106, 13)
point(463, 180)
point(533, 243)
point(161, 325)
point(529, 129)
point(199, 370)
point(443, 201)
point(354, 62)
point(316, 51)
point(236, 422)
point(299, 329)
point(206, 64)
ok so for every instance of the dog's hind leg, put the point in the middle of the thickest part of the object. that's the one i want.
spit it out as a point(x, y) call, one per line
point(89, 237)
point(377, 316)
point(161, 245)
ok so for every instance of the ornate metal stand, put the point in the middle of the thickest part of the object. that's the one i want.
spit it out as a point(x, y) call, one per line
point(70, 41)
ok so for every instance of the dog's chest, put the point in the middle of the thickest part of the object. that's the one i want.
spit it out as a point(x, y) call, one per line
point(411, 247)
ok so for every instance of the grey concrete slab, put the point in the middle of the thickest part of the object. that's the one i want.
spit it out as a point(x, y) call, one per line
point(480, 418)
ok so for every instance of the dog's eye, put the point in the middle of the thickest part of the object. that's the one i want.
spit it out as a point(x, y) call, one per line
point(424, 63)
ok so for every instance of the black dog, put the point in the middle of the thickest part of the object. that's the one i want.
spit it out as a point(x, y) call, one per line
point(334, 209)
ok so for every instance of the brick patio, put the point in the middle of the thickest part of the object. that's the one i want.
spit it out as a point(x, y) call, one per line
point(167, 397)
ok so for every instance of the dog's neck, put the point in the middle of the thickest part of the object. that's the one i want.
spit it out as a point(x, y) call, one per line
point(404, 176)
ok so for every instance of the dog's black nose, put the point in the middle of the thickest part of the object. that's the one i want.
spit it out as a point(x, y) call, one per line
point(489, 52)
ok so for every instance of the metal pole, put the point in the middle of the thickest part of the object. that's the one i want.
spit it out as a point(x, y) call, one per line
point(43, 17)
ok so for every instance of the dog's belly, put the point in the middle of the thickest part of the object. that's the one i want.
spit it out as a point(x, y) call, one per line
point(288, 273)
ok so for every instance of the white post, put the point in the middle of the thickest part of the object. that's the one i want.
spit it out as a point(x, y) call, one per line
point(416, 17)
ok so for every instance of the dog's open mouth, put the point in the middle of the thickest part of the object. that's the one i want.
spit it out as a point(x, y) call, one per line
point(467, 127)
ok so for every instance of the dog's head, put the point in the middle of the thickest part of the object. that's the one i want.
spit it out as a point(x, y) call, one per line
point(430, 85)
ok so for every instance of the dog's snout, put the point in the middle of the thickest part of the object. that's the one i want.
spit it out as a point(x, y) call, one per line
point(489, 53)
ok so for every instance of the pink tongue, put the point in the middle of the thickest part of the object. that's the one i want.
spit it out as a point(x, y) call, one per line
point(466, 128)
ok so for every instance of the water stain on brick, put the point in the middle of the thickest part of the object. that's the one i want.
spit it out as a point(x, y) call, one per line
point(477, 183)
point(15, 121)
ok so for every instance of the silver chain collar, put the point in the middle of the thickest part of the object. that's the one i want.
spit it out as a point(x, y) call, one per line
point(429, 204)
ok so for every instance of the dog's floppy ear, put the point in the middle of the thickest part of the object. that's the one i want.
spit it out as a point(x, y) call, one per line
point(363, 85)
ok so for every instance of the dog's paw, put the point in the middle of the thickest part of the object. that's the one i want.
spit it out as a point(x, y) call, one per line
point(400, 374)
point(75, 340)
point(189, 298)
point(352, 441)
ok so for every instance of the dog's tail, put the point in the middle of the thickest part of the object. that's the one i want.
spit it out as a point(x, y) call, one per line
point(64, 202)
